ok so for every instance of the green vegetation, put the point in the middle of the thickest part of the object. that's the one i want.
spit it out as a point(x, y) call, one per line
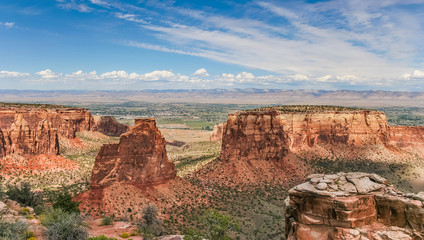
point(404, 116)
point(216, 226)
point(199, 116)
point(106, 221)
point(64, 202)
point(151, 225)
point(61, 225)
point(12, 231)
point(308, 108)
point(31, 105)
point(23, 194)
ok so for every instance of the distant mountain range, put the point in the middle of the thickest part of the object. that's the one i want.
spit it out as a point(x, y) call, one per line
point(227, 96)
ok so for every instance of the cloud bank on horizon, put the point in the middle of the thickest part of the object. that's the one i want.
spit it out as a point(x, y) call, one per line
point(337, 44)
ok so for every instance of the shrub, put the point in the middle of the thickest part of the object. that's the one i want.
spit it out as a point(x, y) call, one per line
point(151, 226)
point(64, 201)
point(68, 226)
point(101, 237)
point(125, 235)
point(29, 234)
point(106, 221)
point(12, 231)
point(32, 238)
point(51, 215)
point(23, 194)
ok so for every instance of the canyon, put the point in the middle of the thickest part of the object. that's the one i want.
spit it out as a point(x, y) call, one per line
point(352, 205)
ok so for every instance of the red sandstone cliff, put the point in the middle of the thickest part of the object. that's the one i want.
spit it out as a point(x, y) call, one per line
point(265, 143)
point(139, 158)
point(216, 134)
point(270, 133)
point(109, 126)
point(410, 138)
point(352, 206)
point(31, 129)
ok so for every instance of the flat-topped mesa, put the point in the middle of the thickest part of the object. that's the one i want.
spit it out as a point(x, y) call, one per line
point(352, 206)
point(139, 158)
point(295, 128)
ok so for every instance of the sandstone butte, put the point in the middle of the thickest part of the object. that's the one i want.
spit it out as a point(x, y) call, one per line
point(357, 206)
point(265, 144)
point(31, 129)
point(133, 168)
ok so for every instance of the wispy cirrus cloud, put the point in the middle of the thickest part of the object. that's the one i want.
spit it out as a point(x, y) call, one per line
point(327, 42)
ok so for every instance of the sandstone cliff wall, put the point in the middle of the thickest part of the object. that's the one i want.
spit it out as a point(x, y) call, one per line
point(139, 158)
point(352, 206)
point(270, 134)
point(29, 131)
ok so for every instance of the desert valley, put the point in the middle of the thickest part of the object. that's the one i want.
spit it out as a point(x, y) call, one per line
point(270, 172)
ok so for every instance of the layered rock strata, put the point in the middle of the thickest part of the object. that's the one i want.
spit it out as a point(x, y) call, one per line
point(218, 130)
point(109, 126)
point(139, 158)
point(29, 131)
point(352, 206)
point(270, 133)
point(410, 138)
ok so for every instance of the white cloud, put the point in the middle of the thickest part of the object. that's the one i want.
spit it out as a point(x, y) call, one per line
point(7, 74)
point(417, 74)
point(299, 77)
point(160, 75)
point(130, 17)
point(324, 78)
point(48, 74)
point(115, 75)
point(7, 24)
point(201, 73)
point(72, 5)
point(82, 76)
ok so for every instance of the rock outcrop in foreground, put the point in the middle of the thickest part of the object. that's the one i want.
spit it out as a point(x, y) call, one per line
point(352, 206)
point(139, 158)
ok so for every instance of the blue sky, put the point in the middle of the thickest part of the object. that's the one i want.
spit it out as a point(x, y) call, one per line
point(152, 44)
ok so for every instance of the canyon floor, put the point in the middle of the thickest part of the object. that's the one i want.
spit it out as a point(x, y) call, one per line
point(258, 208)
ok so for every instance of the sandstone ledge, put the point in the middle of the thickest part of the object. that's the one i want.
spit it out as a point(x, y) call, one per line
point(353, 206)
